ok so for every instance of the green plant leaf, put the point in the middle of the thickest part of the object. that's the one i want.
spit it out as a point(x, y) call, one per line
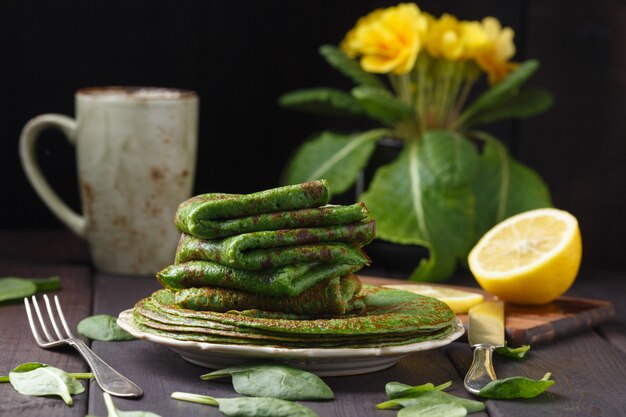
point(424, 198)
point(113, 411)
point(275, 381)
point(249, 406)
point(527, 103)
point(48, 284)
point(434, 410)
point(516, 387)
point(382, 105)
point(335, 157)
point(13, 288)
point(504, 187)
point(515, 353)
point(349, 67)
point(103, 327)
point(432, 397)
point(398, 389)
point(501, 92)
point(38, 379)
point(322, 101)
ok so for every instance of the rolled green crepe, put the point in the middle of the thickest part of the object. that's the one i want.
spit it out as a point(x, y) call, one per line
point(228, 206)
point(334, 296)
point(289, 280)
point(308, 217)
point(270, 249)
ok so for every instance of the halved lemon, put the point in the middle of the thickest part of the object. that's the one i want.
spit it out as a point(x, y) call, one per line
point(530, 258)
point(458, 300)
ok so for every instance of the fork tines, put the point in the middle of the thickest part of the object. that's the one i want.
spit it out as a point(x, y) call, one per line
point(33, 327)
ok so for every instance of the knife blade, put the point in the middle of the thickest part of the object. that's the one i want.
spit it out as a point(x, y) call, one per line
point(486, 332)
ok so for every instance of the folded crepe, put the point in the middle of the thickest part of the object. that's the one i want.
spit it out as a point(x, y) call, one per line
point(334, 296)
point(194, 215)
point(290, 219)
point(339, 244)
point(288, 280)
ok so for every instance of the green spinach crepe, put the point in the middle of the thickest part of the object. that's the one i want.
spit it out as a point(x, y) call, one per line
point(334, 296)
point(339, 244)
point(289, 280)
point(291, 219)
point(388, 318)
point(201, 215)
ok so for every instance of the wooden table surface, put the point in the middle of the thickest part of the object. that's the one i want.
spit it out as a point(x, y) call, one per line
point(589, 368)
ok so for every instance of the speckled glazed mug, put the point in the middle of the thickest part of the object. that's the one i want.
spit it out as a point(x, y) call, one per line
point(136, 157)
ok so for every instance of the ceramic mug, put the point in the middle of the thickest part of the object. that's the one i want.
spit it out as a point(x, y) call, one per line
point(136, 158)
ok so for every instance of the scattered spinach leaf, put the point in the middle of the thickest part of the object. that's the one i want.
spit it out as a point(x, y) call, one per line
point(434, 410)
point(48, 284)
point(516, 387)
point(249, 406)
point(114, 412)
point(274, 380)
point(14, 288)
point(432, 397)
point(37, 379)
point(515, 353)
point(103, 327)
point(398, 389)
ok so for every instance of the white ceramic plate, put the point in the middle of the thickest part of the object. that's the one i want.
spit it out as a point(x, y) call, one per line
point(322, 361)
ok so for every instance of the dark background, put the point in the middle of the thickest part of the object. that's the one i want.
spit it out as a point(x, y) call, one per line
point(241, 55)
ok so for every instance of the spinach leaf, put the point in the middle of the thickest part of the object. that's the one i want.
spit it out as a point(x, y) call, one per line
point(432, 397)
point(515, 353)
point(516, 387)
point(48, 284)
point(29, 366)
point(39, 379)
point(103, 327)
point(434, 410)
point(392, 389)
point(275, 381)
point(398, 389)
point(114, 412)
point(249, 406)
point(14, 288)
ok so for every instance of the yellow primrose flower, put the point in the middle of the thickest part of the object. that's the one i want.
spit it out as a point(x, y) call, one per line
point(494, 59)
point(454, 40)
point(388, 40)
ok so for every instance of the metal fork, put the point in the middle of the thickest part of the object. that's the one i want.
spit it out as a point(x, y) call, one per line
point(108, 378)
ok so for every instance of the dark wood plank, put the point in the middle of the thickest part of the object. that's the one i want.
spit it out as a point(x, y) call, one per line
point(49, 245)
point(18, 345)
point(160, 372)
point(590, 376)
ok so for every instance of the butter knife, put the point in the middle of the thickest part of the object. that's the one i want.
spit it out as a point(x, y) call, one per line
point(486, 333)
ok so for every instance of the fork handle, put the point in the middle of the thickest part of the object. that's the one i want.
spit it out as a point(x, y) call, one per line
point(108, 378)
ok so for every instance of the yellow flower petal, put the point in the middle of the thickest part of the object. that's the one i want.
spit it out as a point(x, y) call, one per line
point(388, 40)
point(494, 58)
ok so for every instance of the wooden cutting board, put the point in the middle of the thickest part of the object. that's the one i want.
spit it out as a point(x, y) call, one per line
point(536, 325)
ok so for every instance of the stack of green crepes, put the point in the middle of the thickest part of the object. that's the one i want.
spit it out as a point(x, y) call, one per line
point(277, 268)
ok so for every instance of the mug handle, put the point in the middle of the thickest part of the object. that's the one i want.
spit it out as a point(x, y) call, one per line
point(28, 141)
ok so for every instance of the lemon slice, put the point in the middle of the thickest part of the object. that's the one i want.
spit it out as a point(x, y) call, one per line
point(530, 258)
point(459, 301)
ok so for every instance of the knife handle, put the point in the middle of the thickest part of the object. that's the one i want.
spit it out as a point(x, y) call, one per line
point(481, 372)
